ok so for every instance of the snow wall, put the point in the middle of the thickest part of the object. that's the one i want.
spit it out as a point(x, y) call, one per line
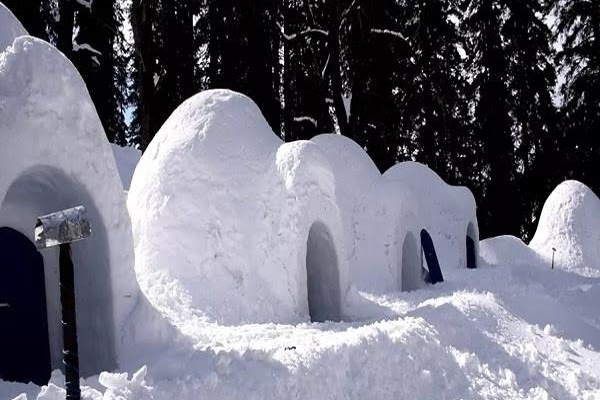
point(54, 155)
point(570, 222)
point(232, 223)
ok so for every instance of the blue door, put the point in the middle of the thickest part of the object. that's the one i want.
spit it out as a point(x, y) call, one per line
point(435, 272)
point(24, 342)
point(471, 260)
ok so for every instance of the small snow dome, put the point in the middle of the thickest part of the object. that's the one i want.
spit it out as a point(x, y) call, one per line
point(447, 213)
point(570, 223)
point(10, 28)
point(54, 155)
point(230, 224)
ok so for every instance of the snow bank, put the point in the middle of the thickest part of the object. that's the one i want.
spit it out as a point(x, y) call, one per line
point(126, 159)
point(54, 155)
point(570, 223)
point(447, 212)
point(10, 28)
point(227, 220)
point(508, 250)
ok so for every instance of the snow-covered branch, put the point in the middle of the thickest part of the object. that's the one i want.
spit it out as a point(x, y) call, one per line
point(305, 32)
point(310, 120)
point(85, 46)
point(389, 32)
point(86, 3)
point(347, 11)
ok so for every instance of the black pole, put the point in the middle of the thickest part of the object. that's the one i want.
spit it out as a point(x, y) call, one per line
point(69, 323)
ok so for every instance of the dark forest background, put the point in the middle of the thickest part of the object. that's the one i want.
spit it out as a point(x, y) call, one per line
point(502, 96)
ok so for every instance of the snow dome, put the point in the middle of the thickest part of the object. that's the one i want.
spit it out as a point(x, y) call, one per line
point(10, 28)
point(233, 225)
point(447, 213)
point(570, 223)
point(54, 155)
point(381, 232)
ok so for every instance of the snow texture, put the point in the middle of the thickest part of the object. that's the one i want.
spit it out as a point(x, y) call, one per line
point(223, 215)
point(10, 28)
point(570, 223)
point(54, 155)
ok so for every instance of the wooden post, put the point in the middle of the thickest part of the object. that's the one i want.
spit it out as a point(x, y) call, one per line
point(69, 323)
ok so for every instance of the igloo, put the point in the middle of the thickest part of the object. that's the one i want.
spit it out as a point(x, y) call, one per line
point(570, 223)
point(10, 28)
point(233, 226)
point(54, 155)
point(447, 214)
point(381, 229)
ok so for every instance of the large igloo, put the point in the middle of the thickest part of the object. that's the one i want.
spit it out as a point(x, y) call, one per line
point(570, 223)
point(231, 224)
point(447, 213)
point(54, 155)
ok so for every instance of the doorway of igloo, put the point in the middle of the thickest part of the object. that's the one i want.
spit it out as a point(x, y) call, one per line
point(412, 264)
point(470, 247)
point(322, 275)
point(433, 264)
point(24, 340)
point(43, 190)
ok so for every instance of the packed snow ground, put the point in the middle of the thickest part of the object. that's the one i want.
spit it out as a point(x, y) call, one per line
point(520, 331)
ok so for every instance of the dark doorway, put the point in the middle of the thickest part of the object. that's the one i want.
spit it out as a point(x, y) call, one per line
point(24, 342)
point(433, 265)
point(322, 275)
point(471, 261)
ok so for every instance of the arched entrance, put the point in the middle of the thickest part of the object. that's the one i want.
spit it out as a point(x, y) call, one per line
point(43, 190)
point(24, 340)
point(433, 265)
point(322, 275)
point(412, 264)
point(471, 251)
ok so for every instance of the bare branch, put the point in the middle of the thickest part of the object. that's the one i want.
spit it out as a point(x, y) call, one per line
point(305, 32)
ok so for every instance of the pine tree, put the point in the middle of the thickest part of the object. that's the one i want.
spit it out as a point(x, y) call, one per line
point(532, 78)
point(99, 55)
point(500, 206)
point(579, 25)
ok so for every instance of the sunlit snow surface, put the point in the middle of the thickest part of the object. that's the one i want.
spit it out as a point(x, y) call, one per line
point(493, 333)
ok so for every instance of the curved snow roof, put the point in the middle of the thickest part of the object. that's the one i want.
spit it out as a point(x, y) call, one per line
point(10, 28)
point(449, 213)
point(54, 155)
point(570, 222)
point(222, 211)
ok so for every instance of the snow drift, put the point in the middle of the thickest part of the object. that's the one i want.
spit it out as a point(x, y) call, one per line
point(54, 155)
point(570, 222)
point(233, 224)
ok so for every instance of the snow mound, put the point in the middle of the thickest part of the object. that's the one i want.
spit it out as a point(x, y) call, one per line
point(10, 28)
point(570, 223)
point(54, 155)
point(227, 218)
point(126, 159)
point(448, 213)
point(508, 250)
